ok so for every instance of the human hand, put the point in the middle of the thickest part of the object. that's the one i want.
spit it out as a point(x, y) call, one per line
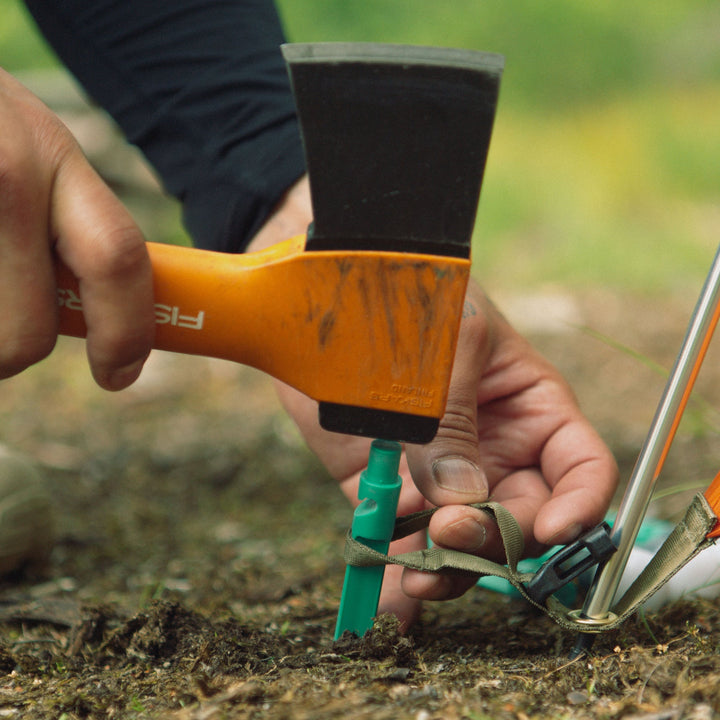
point(512, 432)
point(54, 205)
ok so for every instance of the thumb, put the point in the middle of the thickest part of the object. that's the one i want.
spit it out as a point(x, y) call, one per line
point(448, 470)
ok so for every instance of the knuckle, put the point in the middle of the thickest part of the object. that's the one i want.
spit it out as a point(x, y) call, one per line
point(14, 164)
point(458, 423)
point(29, 156)
point(10, 164)
point(31, 133)
point(121, 252)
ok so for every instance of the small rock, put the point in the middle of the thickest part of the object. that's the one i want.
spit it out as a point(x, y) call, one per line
point(398, 675)
point(577, 697)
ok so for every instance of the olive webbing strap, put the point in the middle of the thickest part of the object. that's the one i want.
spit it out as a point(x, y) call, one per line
point(686, 540)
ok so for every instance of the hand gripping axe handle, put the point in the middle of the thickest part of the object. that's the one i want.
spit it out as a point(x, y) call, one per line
point(361, 314)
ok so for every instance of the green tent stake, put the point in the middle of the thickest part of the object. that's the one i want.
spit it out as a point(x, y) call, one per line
point(373, 525)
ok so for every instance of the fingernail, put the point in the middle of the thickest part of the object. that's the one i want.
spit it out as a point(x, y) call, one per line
point(122, 377)
point(566, 535)
point(461, 476)
point(468, 535)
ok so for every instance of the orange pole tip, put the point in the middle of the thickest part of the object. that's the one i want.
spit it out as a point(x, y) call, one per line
point(712, 495)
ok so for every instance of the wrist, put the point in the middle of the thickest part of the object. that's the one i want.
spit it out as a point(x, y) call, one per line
point(291, 217)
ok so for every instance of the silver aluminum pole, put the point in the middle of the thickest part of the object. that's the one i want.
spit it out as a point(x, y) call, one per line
point(657, 444)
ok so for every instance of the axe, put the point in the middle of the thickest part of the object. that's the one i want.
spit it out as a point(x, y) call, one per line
point(361, 314)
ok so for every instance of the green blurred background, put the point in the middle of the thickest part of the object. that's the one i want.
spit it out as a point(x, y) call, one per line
point(605, 164)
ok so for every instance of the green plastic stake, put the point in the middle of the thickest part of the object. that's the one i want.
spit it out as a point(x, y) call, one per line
point(373, 524)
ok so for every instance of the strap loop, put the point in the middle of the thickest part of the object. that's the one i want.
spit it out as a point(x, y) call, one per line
point(685, 542)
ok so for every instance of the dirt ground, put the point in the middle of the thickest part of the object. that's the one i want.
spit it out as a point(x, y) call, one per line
point(198, 566)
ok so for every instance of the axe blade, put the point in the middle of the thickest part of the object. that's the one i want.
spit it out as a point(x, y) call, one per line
point(396, 138)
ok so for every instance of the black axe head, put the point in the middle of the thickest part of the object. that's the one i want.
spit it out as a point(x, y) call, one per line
point(396, 138)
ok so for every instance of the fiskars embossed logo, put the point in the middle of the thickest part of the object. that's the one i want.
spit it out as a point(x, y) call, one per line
point(164, 314)
point(405, 395)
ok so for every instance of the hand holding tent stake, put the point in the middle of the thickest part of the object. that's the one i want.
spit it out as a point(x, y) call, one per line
point(654, 452)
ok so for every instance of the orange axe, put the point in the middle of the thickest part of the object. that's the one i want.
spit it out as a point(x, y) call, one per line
point(363, 313)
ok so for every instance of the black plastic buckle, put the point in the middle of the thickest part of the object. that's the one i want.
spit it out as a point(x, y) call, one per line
point(593, 548)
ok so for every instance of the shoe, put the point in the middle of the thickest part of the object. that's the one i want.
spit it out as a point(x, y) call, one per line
point(27, 528)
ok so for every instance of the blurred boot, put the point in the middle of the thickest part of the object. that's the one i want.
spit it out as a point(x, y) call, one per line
point(27, 531)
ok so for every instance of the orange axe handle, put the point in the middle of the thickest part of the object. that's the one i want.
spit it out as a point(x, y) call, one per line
point(375, 330)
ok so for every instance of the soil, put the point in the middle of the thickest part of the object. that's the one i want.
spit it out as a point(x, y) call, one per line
point(198, 563)
point(198, 566)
